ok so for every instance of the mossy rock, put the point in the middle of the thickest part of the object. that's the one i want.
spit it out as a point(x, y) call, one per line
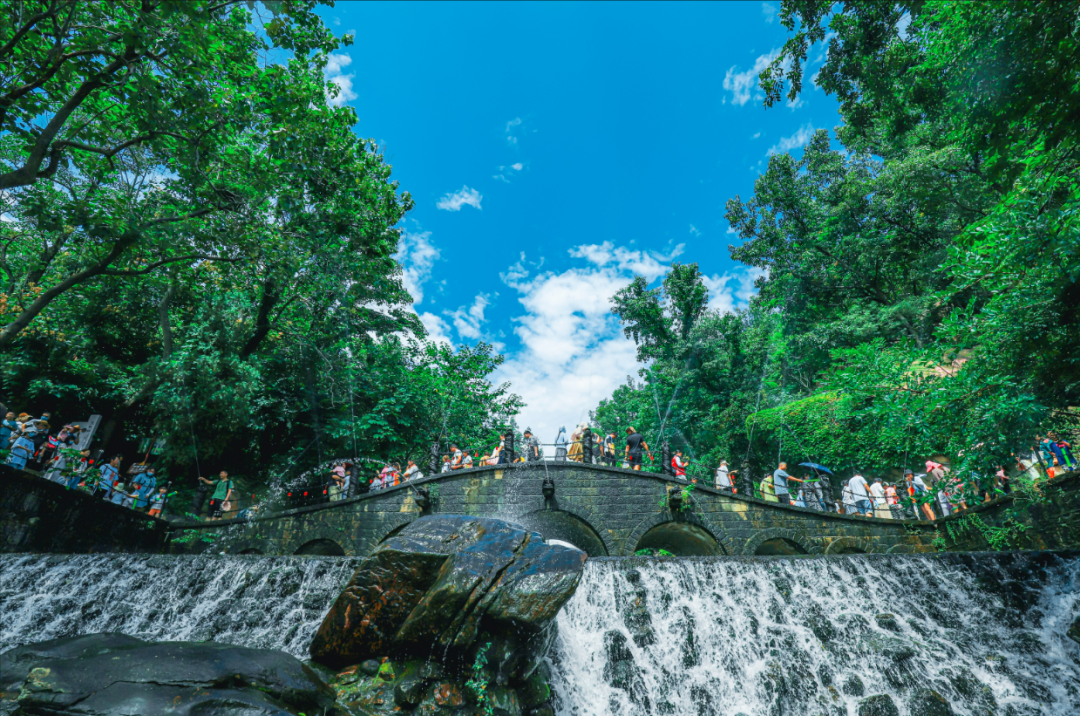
point(880, 705)
point(927, 702)
point(537, 689)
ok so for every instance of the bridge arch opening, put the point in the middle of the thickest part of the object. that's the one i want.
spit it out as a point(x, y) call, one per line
point(849, 550)
point(681, 539)
point(565, 527)
point(320, 548)
point(251, 550)
point(779, 546)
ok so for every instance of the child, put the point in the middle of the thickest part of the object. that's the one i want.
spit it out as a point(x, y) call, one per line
point(119, 496)
point(157, 503)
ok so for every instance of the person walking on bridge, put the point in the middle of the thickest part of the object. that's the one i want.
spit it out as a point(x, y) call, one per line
point(678, 464)
point(780, 480)
point(635, 443)
point(222, 492)
point(724, 480)
point(108, 474)
point(560, 445)
point(860, 492)
point(608, 449)
point(531, 445)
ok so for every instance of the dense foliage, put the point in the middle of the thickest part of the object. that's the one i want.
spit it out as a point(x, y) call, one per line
point(198, 246)
point(919, 292)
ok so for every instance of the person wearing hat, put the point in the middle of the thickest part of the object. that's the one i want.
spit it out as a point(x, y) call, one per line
point(532, 446)
point(22, 449)
point(40, 437)
point(724, 480)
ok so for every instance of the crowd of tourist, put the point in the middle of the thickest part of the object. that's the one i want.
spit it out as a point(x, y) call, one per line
point(32, 445)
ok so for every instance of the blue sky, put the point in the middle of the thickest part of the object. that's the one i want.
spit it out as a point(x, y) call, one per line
point(553, 151)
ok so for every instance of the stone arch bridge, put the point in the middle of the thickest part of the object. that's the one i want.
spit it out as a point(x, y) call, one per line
point(604, 511)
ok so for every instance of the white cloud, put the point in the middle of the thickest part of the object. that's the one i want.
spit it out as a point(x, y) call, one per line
point(573, 350)
point(510, 128)
point(743, 84)
point(799, 139)
point(694, 230)
point(756, 135)
point(417, 255)
point(516, 167)
point(460, 198)
point(467, 322)
point(437, 329)
point(769, 11)
point(644, 264)
point(794, 105)
point(335, 63)
point(731, 290)
point(731, 230)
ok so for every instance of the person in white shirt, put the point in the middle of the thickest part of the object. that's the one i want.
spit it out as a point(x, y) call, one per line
point(457, 458)
point(860, 492)
point(848, 500)
point(881, 505)
point(724, 479)
point(412, 472)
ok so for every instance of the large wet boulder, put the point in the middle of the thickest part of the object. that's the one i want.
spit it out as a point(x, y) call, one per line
point(115, 675)
point(444, 584)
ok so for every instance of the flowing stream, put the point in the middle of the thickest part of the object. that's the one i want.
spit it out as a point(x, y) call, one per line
point(778, 636)
point(688, 636)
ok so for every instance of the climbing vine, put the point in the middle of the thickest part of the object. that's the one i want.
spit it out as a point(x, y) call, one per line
point(478, 683)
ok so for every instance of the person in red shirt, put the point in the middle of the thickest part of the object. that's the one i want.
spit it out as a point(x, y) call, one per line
point(678, 463)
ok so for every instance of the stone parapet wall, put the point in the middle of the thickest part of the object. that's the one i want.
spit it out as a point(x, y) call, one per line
point(1051, 522)
point(607, 512)
point(38, 515)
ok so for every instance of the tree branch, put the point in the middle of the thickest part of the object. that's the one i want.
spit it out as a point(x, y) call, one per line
point(163, 262)
point(270, 296)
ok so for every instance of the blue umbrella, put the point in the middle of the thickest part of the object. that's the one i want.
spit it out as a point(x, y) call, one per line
point(815, 466)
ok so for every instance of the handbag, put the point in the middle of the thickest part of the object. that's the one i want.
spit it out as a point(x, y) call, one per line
point(226, 506)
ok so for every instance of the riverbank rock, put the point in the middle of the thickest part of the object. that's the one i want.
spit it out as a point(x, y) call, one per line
point(116, 675)
point(443, 580)
point(460, 613)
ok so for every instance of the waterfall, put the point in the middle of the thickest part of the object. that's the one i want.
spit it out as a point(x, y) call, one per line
point(268, 602)
point(779, 636)
point(700, 636)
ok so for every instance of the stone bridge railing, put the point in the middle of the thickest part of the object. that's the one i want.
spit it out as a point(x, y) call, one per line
point(604, 511)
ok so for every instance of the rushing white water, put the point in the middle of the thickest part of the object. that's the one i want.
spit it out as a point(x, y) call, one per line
point(723, 636)
point(270, 602)
point(772, 637)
